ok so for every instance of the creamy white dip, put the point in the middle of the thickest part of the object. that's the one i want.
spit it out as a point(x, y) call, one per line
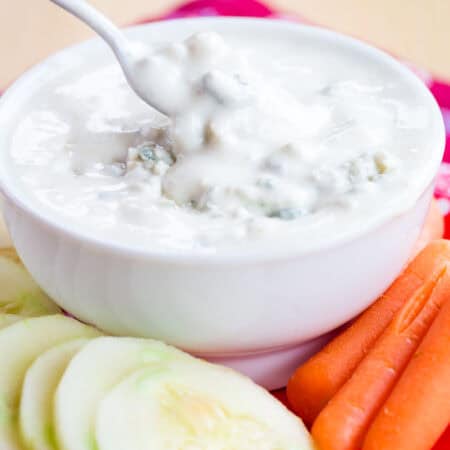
point(267, 142)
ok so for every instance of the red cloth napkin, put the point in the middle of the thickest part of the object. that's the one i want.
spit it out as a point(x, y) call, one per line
point(441, 91)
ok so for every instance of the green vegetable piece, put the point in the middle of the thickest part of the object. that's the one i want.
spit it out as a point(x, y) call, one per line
point(20, 344)
point(19, 293)
point(147, 154)
point(286, 213)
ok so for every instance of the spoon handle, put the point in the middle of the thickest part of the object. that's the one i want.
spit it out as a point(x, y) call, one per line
point(98, 22)
point(128, 53)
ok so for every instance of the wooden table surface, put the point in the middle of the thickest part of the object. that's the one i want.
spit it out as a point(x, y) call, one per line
point(418, 30)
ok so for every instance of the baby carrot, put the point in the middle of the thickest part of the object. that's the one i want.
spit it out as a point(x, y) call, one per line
point(316, 381)
point(343, 423)
point(418, 410)
point(432, 229)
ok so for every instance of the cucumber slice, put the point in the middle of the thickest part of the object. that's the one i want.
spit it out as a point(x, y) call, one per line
point(5, 240)
point(195, 405)
point(9, 319)
point(19, 293)
point(91, 374)
point(39, 386)
point(20, 344)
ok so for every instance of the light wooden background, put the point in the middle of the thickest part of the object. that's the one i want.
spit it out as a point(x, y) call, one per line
point(418, 30)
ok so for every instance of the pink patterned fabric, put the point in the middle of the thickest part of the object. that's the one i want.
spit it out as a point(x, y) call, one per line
point(222, 8)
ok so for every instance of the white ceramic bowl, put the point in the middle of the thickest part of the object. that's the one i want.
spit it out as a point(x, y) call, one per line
point(259, 312)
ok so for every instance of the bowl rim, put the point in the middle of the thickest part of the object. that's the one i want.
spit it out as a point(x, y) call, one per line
point(250, 253)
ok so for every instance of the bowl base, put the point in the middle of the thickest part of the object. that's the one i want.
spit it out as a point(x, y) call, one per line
point(272, 369)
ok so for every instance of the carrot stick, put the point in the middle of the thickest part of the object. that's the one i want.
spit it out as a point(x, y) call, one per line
point(315, 382)
point(343, 423)
point(432, 229)
point(418, 410)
